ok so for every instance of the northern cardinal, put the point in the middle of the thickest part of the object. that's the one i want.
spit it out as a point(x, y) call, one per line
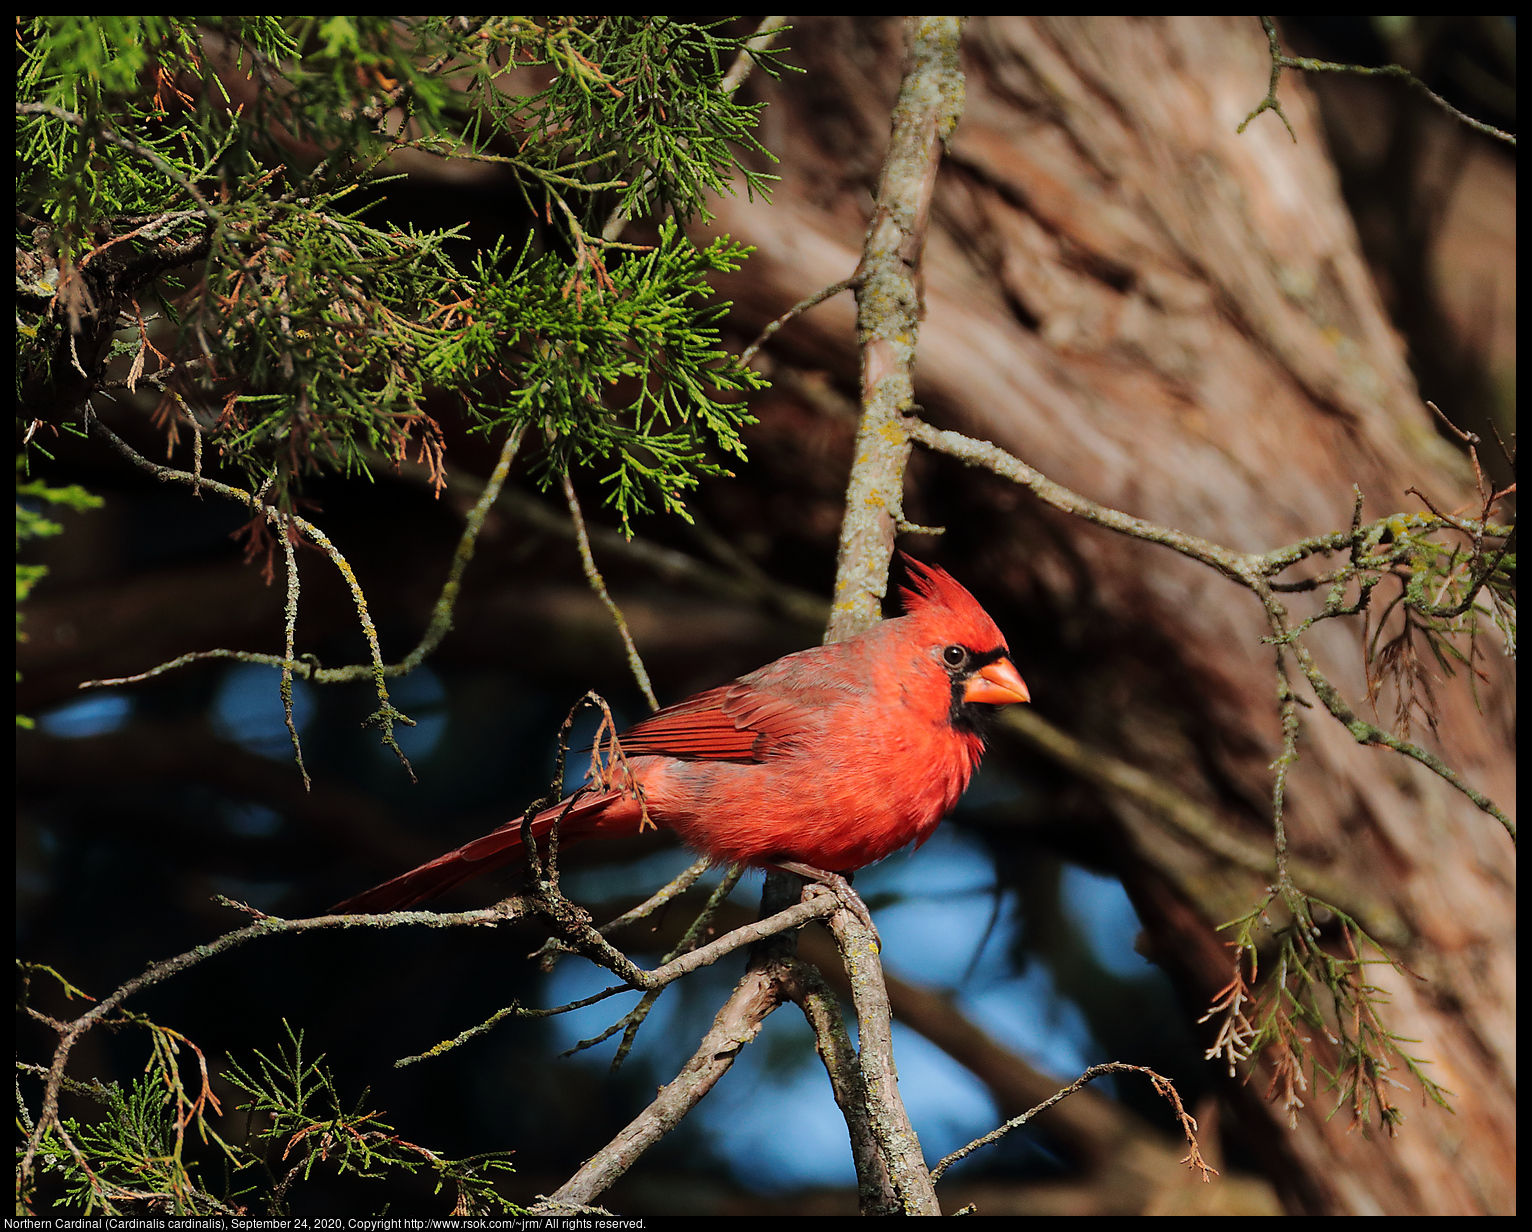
point(828, 759)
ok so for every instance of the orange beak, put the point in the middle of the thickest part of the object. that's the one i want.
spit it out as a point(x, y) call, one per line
point(996, 684)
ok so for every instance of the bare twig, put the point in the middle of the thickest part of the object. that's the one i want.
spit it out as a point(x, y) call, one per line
point(817, 903)
point(703, 923)
point(1161, 1084)
point(1364, 732)
point(1279, 61)
point(814, 997)
point(668, 892)
point(441, 617)
point(264, 926)
point(802, 306)
point(386, 715)
point(593, 576)
point(441, 614)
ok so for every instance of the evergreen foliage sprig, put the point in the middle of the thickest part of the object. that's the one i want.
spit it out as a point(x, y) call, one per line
point(571, 345)
point(132, 1152)
point(222, 169)
point(1318, 984)
point(32, 497)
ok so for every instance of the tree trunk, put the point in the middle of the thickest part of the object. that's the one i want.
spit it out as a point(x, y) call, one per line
point(1174, 320)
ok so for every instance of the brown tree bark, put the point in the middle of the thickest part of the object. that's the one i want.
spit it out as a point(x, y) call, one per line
point(1174, 320)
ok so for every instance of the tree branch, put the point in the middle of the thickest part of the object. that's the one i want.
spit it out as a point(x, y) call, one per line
point(306, 668)
point(1161, 1084)
point(597, 584)
point(891, 1129)
point(738, 1022)
point(1279, 61)
point(890, 305)
point(875, 1192)
point(1251, 571)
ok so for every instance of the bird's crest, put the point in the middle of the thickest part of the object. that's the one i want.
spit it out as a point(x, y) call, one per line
point(936, 593)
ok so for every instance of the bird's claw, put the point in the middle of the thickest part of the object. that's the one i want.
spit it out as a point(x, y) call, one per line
point(841, 888)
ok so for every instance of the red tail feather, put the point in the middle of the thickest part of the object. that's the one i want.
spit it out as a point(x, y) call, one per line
point(607, 813)
point(833, 756)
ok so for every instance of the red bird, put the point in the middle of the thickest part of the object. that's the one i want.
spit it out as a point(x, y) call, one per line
point(832, 757)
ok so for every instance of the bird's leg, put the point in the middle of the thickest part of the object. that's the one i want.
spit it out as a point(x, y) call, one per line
point(841, 886)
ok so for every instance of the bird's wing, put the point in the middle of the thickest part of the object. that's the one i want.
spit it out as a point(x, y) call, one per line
point(747, 721)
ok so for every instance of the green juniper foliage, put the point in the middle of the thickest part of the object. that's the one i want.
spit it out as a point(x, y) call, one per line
point(219, 171)
point(133, 1153)
point(32, 523)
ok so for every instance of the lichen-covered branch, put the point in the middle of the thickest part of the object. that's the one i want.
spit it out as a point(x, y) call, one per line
point(738, 1022)
point(290, 617)
point(797, 310)
point(264, 926)
point(890, 305)
point(1238, 566)
point(307, 668)
point(1394, 545)
point(875, 1192)
point(1254, 571)
point(891, 1129)
point(387, 714)
point(568, 919)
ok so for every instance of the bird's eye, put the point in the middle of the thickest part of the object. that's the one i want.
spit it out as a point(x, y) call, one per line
point(954, 656)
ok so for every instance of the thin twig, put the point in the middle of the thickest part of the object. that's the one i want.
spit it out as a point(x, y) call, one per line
point(1364, 732)
point(386, 713)
point(593, 576)
point(441, 614)
point(802, 306)
point(703, 922)
point(1279, 61)
point(377, 670)
point(1161, 1084)
point(816, 904)
point(674, 888)
point(265, 926)
point(668, 892)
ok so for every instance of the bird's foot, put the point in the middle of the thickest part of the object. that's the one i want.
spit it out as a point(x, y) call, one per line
point(840, 887)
